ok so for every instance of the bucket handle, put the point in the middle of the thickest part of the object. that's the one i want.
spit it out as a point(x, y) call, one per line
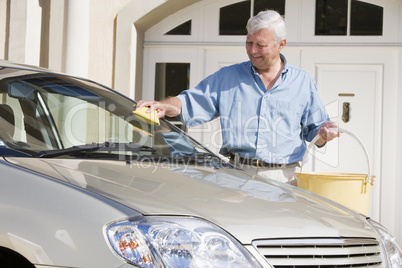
point(341, 130)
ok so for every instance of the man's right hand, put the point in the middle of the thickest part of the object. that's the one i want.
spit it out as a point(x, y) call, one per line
point(168, 107)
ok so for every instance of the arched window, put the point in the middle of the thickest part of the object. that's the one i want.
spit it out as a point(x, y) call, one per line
point(233, 18)
point(182, 29)
point(348, 17)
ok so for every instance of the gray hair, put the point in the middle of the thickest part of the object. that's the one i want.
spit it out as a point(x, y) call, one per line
point(268, 19)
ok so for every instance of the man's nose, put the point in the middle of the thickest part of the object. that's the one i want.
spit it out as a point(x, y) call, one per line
point(253, 48)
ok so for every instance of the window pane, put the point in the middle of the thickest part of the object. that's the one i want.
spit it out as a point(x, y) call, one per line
point(183, 29)
point(331, 17)
point(171, 79)
point(278, 5)
point(233, 19)
point(366, 19)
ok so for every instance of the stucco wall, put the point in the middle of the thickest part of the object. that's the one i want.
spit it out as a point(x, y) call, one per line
point(3, 29)
point(102, 39)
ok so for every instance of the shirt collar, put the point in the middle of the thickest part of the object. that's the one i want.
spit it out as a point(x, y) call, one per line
point(285, 63)
point(284, 60)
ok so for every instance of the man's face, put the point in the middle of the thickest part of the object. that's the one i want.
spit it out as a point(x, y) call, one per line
point(262, 49)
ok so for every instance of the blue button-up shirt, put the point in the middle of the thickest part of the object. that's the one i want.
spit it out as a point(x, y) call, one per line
point(269, 125)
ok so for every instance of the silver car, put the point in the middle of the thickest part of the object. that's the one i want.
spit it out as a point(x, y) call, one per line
point(85, 182)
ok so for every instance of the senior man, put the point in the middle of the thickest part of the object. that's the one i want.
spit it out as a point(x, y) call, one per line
point(267, 107)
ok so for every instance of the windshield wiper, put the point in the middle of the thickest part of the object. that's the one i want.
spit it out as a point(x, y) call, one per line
point(92, 147)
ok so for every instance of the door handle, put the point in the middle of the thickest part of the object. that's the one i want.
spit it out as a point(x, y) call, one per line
point(346, 112)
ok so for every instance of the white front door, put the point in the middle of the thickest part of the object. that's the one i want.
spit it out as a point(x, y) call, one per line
point(351, 90)
point(349, 93)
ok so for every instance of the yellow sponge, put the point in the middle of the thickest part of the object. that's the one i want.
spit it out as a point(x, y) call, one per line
point(150, 118)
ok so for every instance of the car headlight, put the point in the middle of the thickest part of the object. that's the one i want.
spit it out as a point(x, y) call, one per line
point(176, 242)
point(393, 250)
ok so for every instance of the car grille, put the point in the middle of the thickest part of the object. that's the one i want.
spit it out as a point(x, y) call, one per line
point(321, 252)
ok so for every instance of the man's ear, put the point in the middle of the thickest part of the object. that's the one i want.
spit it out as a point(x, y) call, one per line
point(282, 44)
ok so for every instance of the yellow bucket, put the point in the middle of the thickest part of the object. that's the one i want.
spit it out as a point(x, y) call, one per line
point(348, 189)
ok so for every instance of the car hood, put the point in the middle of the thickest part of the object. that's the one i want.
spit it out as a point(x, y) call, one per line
point(243, 205)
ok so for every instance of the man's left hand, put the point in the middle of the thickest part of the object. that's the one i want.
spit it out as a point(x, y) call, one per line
point(327, 133)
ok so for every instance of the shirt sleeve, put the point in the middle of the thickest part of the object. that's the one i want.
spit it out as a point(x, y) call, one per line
point(315, 114)
point(199, 104)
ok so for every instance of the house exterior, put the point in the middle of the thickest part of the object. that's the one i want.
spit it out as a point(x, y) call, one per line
point(152, 49)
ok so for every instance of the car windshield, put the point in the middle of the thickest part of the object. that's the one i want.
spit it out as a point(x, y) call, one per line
point(52, 115)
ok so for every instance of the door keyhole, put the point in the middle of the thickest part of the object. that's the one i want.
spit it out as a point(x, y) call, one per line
point(346, 112)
